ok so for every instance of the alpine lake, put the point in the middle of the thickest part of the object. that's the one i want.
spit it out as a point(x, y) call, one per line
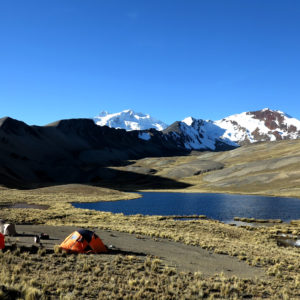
point(222, 207)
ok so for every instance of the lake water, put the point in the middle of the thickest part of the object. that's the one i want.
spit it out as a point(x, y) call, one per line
point(223, 207)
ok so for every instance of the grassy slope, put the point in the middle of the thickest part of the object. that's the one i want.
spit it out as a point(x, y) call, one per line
point(265, 168)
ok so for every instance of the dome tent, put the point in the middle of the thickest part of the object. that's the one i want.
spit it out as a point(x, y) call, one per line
point(83, 241)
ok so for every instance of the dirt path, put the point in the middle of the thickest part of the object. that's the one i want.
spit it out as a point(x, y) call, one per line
point(178, 255)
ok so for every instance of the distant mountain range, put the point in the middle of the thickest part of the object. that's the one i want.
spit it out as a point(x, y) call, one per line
point(198, 134)
point(78, 150)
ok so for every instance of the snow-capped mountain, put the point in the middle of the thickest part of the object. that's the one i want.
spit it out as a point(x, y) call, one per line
point(199, 135)
point(235, 130)
point(261, 125)
point(129, 120)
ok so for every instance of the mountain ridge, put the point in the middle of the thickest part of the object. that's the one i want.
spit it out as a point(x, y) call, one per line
point(232, 131)
point(72, 150)
point(78, 150)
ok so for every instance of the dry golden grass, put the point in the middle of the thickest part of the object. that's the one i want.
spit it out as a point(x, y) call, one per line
point(270, 168)
point(254, 245)
point(58, 276)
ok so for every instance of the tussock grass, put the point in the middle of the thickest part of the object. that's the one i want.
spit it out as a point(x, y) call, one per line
point(119, 277)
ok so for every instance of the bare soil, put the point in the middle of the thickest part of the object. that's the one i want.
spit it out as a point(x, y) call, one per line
point(174, 254)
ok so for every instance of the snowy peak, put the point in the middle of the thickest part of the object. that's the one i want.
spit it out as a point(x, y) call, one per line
point(272, 119)
point(129, 120)
point(261, 125)
point(198, 134)
point(235, 130)
point(188, 121)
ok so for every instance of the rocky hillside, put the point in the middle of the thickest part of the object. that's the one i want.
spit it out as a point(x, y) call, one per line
point(73, 150)
point(193, 134)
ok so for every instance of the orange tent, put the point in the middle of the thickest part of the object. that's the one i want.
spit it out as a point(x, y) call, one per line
point(83, 241)
point(2, 242)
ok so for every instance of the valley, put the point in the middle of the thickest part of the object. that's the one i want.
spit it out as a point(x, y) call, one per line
point(77, 161)
point(266, 168)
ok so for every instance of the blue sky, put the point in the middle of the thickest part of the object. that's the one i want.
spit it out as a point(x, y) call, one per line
point(169, 58)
